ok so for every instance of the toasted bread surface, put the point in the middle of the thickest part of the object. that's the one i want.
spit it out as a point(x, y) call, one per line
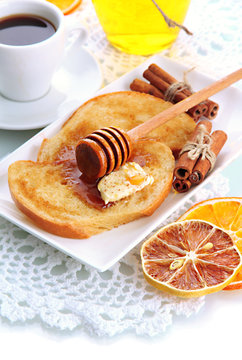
point(125, 109)
point(39, 190)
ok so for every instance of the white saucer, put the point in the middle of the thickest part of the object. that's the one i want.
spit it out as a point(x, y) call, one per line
point(77, 79)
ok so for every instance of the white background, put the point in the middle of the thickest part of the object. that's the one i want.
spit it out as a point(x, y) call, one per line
point(214, 332)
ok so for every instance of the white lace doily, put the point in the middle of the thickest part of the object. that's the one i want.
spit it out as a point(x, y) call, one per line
point(40, 283)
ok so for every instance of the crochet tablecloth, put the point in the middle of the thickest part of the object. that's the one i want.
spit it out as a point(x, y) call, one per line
point(39, 283)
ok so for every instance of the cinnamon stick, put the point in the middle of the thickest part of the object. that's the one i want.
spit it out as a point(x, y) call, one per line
point(185, 165)
point(161, 84)
point(212, 109)
point(144, 87)
point(202, 167)
point(155, 69)
point(182, 186)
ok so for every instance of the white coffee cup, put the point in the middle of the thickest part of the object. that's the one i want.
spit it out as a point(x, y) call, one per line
point(26, 70)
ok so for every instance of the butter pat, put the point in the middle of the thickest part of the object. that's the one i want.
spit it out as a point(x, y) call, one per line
point(126, 181)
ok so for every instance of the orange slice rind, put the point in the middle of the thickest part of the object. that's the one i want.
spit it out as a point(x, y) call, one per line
point(226, 213)
point(190, 258)
point(66, 6)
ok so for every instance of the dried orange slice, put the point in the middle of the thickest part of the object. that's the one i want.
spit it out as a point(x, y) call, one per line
point(66, 6)
point(190, 258)
point(226, 213)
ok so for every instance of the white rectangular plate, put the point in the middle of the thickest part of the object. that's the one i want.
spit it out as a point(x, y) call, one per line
point(102, 251)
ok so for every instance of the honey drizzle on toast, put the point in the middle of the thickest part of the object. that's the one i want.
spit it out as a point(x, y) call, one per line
point(82, 186)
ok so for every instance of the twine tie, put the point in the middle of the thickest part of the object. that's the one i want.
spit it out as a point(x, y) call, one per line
point(200, 147)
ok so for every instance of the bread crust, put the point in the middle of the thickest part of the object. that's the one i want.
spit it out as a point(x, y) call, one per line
point(80, 232)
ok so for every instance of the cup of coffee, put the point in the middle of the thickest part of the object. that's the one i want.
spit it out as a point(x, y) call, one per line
point(33, 37)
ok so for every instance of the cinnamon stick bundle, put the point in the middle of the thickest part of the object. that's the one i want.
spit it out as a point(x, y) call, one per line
point(203, 166)
point(185, 164)
point(196, 111)
point(163, 85)
point(198, 156)
point(208, 108)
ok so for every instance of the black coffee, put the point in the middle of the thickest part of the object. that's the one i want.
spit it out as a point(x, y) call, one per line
point(24, 30)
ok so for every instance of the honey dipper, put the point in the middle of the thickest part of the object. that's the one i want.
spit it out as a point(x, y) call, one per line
point(105, 150)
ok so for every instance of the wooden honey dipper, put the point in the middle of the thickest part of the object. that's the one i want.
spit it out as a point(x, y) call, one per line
point(105, 150)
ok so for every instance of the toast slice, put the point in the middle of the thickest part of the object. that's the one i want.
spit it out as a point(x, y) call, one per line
point(125, 109)
point(41, 191)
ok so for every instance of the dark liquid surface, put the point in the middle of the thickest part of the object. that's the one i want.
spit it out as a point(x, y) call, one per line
point(24, 30)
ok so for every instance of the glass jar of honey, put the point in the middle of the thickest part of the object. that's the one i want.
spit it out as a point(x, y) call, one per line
point(137, 26)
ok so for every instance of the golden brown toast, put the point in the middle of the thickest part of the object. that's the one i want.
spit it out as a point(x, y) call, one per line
point(43, 191)
point(125, 109)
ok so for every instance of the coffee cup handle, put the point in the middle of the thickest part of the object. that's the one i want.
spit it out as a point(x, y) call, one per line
point(76, 35)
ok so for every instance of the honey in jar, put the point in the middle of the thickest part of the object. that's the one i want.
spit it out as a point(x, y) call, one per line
point(137, 26)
